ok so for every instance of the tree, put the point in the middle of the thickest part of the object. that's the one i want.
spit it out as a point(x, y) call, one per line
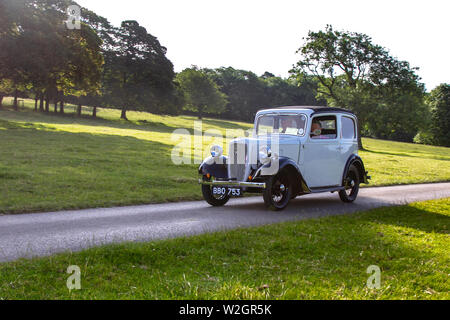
point(244, 89)
point(201, 93)
point(42, 54)
point(84, 63)
point(290, 92)
point(137, 73)
point(12, 56)
point(267, 75)
point(439, 102)
point(353, 72)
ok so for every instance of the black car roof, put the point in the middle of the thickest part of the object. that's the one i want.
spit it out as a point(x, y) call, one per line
point(317, 109)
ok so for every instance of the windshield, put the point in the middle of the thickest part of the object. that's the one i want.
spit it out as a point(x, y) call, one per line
point(281, 124)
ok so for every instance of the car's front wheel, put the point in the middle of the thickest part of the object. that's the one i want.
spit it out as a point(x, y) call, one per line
point(216, 200)
point(351, 185)
point(278, 191)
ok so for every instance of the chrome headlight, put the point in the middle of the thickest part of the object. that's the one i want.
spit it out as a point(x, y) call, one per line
point(265, 155)
point(216, 151)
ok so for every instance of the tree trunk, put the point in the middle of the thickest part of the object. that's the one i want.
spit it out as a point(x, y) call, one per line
point(16, 107)
point(56, 101)
point(36, 99)
point(360, 145)
point(94, 112)
point(61, 107)
point(47, 104)
point(1, 101)
point(41, 103)
point(123, 115)
point(200, 112)
point(79, 110)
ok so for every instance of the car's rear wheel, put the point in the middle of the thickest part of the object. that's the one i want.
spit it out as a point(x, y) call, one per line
point(278, 191)
point(213, 199)
point(351, 184)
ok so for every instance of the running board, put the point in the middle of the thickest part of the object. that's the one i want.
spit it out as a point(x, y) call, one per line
point(326, 189)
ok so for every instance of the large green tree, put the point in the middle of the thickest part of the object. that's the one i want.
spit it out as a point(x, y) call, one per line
point(439, 103)
point(39, 52)
point(138, 74)
point(244, 89)
point(289, 92)
point(201, 93)
point(247, 93)
point(353, 72)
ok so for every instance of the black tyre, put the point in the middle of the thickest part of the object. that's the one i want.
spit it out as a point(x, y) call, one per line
point(278, 191)
point(212, 199)
point(351, 184)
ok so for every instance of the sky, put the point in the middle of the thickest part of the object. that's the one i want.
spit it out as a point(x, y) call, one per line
point(261, 35)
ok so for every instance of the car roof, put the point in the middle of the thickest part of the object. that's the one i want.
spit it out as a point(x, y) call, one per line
point(315, 109)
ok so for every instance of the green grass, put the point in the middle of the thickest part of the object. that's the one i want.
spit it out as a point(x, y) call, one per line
point(51, 162)
point(391, 162)
point(324, 258)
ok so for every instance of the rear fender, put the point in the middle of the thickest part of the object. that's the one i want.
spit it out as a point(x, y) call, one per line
point(358, 163)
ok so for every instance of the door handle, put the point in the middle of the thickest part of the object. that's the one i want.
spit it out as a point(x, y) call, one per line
point(340, 148)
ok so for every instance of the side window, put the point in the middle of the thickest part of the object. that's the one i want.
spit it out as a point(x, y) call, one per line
point(348, 128)
point(323, 128)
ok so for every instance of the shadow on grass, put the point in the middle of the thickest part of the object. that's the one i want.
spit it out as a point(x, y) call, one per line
point(71, 118)
point(46, 170)
point(415, 218)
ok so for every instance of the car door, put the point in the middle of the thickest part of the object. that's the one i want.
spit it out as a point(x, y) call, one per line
point(349, 141)
point(322, 164)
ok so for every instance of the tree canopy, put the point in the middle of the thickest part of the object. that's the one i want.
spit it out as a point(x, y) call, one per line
point(201, 93)
point(439, 102)
point(353, 72)
point(38, 52)
point(137, 73)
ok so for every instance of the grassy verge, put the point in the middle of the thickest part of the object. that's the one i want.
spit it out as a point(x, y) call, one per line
point(50, 162)
point(324, 258)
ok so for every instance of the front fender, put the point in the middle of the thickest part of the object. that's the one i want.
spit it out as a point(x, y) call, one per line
point(216, 168)
point(287, 163)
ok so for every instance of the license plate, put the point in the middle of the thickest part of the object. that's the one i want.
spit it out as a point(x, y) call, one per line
point(234, 192)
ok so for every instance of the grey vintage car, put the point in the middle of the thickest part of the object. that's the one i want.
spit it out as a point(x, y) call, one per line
point(292, 151)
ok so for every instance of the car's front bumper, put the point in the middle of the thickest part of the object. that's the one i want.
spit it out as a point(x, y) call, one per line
point(231, 183)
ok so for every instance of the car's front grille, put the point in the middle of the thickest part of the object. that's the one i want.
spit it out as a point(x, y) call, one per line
point(237, 172)
point(238, 160)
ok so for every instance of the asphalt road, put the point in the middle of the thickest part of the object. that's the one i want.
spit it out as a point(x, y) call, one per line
point(41, 234)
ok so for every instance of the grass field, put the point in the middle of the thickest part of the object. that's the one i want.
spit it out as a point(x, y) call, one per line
point(51, 162)
point(324, 258)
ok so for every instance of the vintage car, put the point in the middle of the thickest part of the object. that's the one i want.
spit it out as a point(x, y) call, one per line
point(293, 151)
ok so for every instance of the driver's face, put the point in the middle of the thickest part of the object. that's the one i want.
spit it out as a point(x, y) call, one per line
point(315, 126)
point(284, 123)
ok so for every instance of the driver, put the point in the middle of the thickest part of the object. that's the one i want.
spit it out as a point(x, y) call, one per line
point(316, 130)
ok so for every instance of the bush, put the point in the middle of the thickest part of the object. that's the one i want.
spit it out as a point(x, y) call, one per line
point(424, 137)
